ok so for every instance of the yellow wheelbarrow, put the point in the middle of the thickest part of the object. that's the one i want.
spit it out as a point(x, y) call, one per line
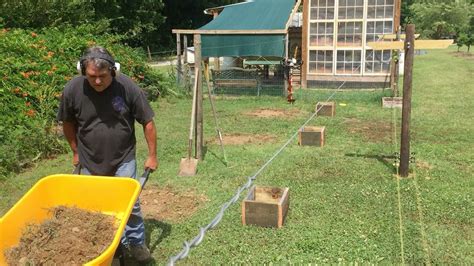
point(109, 195)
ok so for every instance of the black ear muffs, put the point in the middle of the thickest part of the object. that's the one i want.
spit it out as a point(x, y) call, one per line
point(103, 56)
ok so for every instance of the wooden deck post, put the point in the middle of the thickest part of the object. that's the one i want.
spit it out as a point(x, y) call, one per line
point(185, 49)
point(406, 108)
point(199, 110)
point(286, 75)
point(394, 72)
point(179, 69)
point(304, 44)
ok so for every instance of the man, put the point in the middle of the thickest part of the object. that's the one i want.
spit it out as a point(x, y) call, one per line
point(98, 111)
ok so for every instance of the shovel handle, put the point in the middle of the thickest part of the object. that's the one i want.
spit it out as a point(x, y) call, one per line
point(144, 178)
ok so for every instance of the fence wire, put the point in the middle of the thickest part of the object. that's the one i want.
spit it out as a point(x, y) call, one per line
point(187, 245)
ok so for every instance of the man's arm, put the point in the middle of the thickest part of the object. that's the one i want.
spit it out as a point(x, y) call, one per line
point(70, 131)
point(149, 131)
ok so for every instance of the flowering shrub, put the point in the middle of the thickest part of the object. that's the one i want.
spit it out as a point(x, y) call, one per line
point(35, 67)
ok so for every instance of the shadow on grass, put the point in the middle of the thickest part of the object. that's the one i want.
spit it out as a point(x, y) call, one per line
point(388, 160)
point(152, 227)
point(220, 158)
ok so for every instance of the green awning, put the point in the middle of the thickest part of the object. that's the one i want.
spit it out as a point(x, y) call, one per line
point(251, 15)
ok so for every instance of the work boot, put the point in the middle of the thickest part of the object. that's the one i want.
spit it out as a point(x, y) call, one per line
point(140, 253)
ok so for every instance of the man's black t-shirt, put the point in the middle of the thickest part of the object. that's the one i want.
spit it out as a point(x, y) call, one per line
point(105, 121)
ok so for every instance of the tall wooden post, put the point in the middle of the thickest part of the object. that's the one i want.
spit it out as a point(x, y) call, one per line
point(287, 40)
point(186, 70)
point(199, 110)
point(406, 109)
point(185, 49)
point(396, 26)
point(179, 69)
point(304, 44)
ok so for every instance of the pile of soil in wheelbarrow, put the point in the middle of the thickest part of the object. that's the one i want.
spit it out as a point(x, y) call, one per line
point(71, 237)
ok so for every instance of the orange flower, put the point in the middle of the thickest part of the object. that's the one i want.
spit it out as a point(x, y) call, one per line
point(34, 35)
point(28, 104)
point(25, 94)
point(49, 72)
point(30, 113)
point(17, 90)
point(25, 75)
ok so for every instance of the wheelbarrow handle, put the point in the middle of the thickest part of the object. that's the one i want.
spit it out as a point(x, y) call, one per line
point(144, 178)
point(77, 169)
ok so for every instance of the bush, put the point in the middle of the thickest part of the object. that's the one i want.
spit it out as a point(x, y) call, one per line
point(35, 67)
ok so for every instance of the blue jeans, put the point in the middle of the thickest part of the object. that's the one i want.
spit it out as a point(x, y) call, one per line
point(135, 229)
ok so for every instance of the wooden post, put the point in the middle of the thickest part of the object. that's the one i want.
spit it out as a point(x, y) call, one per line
point(199, 110)
point(406, 108)
point(398, 29)
point(285, 75)
point(304, 44)
point(178, 57)
point(149, 53)
point(185, 49)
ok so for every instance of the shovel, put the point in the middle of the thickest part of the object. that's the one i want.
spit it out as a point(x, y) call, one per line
point(187, 166)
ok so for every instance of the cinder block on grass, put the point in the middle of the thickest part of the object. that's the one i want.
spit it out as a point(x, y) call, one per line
point(392, 102)
point(326, 108)
point(311, 136)
point(266, 206)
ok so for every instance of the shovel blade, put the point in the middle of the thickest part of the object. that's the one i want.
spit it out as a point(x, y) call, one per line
point(188, 167)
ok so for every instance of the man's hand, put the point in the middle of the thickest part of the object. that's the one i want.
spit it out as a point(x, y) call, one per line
point(150, 136)
point(151, 162)
point(75, 159)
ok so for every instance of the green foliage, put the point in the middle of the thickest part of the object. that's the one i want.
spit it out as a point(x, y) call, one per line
point(462, 40)
point(135, 20)
point(441, 20)
point(35, 67)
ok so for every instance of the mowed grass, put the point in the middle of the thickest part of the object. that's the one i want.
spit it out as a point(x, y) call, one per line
point(346, 203)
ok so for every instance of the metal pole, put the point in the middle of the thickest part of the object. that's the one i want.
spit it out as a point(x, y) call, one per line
point(406, 109)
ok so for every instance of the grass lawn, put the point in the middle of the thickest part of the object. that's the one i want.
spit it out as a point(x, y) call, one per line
point(346, 203)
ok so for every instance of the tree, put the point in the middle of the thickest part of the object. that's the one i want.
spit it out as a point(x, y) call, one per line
point(441, 19)
point(185, 14)
point(462, 40)
point(469, 42)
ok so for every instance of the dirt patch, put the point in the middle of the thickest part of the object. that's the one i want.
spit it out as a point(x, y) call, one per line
point(71, 237)
point(423, 165)
point(463, 55)
point(169, 205)
point(240, 139)
point(271, 113)
point(373, 131)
